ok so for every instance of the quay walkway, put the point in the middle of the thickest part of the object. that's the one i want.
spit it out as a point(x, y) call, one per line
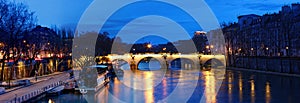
point(32, 81)
point(25, 93)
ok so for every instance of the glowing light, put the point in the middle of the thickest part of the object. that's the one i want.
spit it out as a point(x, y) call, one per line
point(268, 92)
point(207, 47)
point(50, 101)
point(252, 91)
point(240, 88)
point(199, 32)
point(149, 46)
point(240, 49)
point(210, 86)
point(230, 85)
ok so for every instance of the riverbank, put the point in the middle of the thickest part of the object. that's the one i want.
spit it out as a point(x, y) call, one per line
point(33, 80)
point(26, 93)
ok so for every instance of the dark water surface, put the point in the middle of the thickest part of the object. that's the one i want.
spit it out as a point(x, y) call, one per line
point(155, 86)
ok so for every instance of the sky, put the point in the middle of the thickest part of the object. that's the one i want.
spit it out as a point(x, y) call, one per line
point(67, 13)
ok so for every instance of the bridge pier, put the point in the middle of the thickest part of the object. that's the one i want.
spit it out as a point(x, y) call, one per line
point(133, 65)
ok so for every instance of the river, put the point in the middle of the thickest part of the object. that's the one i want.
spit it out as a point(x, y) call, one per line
point(155, 86)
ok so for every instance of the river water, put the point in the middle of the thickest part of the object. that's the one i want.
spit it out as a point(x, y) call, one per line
point(155, 86)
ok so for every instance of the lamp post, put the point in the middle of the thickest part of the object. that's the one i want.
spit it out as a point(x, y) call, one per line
point(287, 50)
point(252, 51)
point(149, 46)
point(207, 47)
point(267, 51)
point(133, 51)
point(164, 49)
point(132, 57)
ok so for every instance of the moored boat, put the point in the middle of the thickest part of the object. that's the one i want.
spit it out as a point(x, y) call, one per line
point(56, 90)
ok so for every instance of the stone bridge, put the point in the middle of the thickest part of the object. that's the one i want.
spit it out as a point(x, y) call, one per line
point(187, 60)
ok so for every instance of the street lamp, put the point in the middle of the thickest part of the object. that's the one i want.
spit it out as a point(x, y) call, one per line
point(240, 49)
point(132, 57)
point(149, 46)
point(287, 50)
point(133, 50)
point(207, 47)
point(211, 46)
point(267, 51)
point(252, 51)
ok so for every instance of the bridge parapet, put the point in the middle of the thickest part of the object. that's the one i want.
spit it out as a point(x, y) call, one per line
point(136, 58)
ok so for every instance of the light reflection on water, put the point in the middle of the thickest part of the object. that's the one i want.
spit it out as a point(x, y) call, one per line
point(210, 87)
point(237, 87)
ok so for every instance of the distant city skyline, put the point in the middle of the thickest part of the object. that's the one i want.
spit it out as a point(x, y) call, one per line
point(67, 13)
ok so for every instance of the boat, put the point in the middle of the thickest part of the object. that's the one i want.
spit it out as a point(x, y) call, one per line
point(69, 86)
point(55, 90)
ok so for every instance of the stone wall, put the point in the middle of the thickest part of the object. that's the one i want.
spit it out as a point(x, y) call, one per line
point(290, 65)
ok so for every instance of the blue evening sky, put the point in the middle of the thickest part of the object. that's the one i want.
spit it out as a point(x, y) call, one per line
point(67, 13)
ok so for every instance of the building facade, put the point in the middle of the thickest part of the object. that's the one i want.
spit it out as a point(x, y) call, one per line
point(276, 34)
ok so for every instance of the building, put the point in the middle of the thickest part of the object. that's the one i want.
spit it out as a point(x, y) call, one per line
point(276, 34)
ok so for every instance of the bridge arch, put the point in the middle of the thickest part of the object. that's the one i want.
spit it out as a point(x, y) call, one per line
point(214, 63)
point(182, 63)
point(121, 64)
point(149, 60)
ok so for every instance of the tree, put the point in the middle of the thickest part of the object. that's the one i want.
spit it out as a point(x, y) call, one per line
point(200, 41)
point(103, 44)
point(15, 20)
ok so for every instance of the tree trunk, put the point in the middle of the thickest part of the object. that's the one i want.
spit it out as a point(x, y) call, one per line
point(31, 68)
point(2, 70)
